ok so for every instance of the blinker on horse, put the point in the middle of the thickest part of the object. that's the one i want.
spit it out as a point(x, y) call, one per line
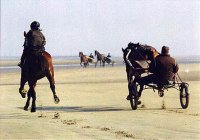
point(37, 65)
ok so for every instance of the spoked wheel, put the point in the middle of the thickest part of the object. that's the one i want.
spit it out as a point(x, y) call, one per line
point(184, 95)
point(134, 97)
point(134, 102)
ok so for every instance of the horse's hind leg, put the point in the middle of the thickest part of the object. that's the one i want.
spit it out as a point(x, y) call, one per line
point(52, 86)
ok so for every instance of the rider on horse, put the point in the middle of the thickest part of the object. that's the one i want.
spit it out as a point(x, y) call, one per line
point(163, 69)
point(34, 40)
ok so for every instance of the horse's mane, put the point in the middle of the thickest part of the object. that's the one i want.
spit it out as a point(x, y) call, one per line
point(140, 51)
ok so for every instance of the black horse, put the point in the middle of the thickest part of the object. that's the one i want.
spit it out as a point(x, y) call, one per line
point(37, 65)
point(102, 59)
point(133, 55)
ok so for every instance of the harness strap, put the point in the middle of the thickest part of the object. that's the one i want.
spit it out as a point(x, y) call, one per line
point(130, 64)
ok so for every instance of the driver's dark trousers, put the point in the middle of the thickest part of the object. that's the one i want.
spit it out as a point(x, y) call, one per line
point(152, 78)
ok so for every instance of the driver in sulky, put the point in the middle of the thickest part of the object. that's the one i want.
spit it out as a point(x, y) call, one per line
point(162, 70)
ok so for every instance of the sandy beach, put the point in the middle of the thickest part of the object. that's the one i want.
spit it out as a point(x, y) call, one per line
point(93, 106)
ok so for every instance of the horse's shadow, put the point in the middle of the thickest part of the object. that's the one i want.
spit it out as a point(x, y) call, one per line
point(78, 108)
point(96, 108)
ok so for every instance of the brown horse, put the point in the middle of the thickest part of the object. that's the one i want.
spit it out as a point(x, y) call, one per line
point(133, 55)
point(37, 65)
point(85, 59)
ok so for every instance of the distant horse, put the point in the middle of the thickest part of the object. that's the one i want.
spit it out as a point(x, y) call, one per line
point(37, 65)
point(102, 59)
point(133, 55)
point(85, 59)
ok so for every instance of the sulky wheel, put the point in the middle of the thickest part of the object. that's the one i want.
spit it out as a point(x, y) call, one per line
point(134, 97)
point(184, 95)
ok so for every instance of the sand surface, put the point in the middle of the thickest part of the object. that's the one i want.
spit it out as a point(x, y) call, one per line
point(93, 106)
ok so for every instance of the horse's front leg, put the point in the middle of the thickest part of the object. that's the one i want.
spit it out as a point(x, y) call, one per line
point(23, 81)
point(28, 101)
point(130, 78)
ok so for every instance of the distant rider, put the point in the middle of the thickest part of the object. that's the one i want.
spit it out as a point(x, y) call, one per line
point(34, 40)
point(109, 56)
point(91, 56)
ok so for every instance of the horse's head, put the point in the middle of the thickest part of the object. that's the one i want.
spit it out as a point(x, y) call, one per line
point(95, 52)
point(137, 53)
point(141, 52)
point(132, 45)
point(80, 54)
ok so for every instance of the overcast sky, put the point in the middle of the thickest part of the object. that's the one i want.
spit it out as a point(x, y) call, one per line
point(71, 26)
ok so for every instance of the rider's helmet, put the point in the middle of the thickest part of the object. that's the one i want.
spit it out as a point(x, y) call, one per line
point(165, 50)
point(35, 25)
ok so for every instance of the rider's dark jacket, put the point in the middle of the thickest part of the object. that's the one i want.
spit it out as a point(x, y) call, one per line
point(35, 38)
point(164, 67)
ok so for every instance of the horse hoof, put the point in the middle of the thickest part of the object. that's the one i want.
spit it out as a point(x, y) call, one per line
point(26, 108)
point(56, 100)
point(23, 92)
point(139, 102)
point(33, 110)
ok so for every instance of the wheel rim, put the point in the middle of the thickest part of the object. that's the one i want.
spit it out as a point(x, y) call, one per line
point(183, 97)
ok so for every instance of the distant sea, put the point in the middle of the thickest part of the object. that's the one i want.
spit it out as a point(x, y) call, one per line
point(179, 59)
